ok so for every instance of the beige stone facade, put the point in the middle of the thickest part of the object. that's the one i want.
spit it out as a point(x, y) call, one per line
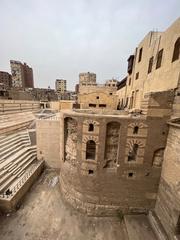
point(99, 96)
point(155, 65)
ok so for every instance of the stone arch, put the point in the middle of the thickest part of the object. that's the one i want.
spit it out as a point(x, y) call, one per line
point(90, 137)
point(111, 145)
point(91, 150)
point(158, 157)
point(131, 142)
point(70, 140)
point(176, 52)
point(90, 121)
point(138, 124)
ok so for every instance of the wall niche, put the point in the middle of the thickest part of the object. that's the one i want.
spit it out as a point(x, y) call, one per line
point(111, 146)
point(70, 137)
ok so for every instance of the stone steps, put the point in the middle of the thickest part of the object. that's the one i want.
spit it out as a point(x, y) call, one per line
point(11, 140)
point(5, 139)
point(16, 173)
point(13, 145)
point(13, 150)
point(16, 157)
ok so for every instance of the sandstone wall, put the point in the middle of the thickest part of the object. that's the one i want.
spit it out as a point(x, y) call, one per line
point(168, 202)
point(48, 141)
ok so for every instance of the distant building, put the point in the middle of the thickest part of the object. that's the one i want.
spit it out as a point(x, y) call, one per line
point(22, 75)
point(112, 83)
point(60, 86)
point(87, 79)
point(5, 80)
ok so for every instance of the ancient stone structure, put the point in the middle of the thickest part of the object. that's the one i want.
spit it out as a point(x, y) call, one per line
point(112, 161)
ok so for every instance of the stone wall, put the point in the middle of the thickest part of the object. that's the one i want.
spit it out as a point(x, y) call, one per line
point(118, 176)
point(48, 141)
point(168, 201)
point(165, 77)
point(14, 106)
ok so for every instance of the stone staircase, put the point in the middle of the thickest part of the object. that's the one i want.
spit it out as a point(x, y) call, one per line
point(18, 162)
point(15, 122)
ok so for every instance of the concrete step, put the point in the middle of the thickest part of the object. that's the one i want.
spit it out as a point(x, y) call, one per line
point(12, 140)
point(12, 137)
point(16, 156)
point(12, 144)
point(7, 183)
point(13, 150)
point(22, 157)
point(9, 178)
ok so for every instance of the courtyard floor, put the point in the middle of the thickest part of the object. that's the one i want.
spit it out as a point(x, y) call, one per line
point(44, 216)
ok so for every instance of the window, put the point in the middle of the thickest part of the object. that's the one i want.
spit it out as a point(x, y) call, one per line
point(130, 174)
point(90, 171)
point(159, 59)
point(129, 81)
point(92, 105)
point(137, 75)
point(176, 52)
point(150, 64)
point(140, 55)
point(110, 93)
point(97, 97)
point(102, 105)
point(91, 127)
point(133, 153)
point(90, 149)
point(177, 230)
point(136, 129)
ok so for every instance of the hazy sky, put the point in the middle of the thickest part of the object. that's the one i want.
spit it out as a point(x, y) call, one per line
point(61, 38)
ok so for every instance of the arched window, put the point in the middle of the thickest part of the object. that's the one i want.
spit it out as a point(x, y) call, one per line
point(90, 150)
point(133, 153)
point(176, 52)
point(136, 129)
point(91, 127)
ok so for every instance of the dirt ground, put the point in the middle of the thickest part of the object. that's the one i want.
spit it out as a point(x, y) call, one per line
point(44, 216)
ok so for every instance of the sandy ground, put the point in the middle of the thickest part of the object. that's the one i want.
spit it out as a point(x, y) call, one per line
point(43, 215)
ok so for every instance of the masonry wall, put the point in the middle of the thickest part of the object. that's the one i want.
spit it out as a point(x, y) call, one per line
point(48, 141)
point(159, 79)
point(168, 202)
point(110, 182)
point(97, 97)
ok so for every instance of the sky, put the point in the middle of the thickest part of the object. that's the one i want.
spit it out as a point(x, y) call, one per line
point(61, 38)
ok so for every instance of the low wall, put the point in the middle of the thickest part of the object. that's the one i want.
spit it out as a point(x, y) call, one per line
point(11, 106)
point(9, 204)
point(48, 141)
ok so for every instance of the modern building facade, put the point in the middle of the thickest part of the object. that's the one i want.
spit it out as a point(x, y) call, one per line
point(60, 86)
point(22, 75)
point(5, 80)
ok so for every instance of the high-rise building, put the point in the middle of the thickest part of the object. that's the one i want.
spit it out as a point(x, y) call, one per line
point(22, 75)
point(5, 80)
point(28, 73)
point(60, 86)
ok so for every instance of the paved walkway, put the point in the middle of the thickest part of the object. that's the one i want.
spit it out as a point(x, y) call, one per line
point(43, 216)
point(138, 228)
